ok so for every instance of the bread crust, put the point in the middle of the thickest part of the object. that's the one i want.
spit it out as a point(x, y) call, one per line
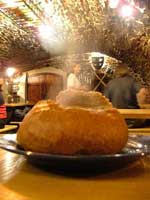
point(52, 128)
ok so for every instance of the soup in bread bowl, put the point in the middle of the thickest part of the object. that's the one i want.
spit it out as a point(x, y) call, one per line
point(78, 122)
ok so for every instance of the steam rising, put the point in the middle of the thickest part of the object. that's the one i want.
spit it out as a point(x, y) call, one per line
point(52, 41)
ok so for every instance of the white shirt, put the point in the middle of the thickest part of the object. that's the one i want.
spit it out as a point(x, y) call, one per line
point(73, 81)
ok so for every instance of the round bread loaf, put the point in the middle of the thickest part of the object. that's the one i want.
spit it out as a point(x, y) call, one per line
point(52, 128)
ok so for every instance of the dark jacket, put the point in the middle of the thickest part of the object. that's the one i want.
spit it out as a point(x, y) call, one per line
point(122, 92)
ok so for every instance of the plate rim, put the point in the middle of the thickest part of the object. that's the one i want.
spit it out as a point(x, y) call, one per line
point(11, 146)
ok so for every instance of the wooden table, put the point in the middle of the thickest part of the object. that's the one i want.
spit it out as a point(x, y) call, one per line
point(145, 106)
point(12, 105)
point(21, 181)
point(8, 128)
point(135, 113)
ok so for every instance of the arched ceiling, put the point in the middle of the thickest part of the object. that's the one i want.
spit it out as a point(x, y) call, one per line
point(76, 26)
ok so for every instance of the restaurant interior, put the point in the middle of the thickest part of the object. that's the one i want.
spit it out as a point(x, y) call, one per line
point(40, 40)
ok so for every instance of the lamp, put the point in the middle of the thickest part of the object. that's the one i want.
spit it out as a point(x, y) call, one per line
point(10, 71)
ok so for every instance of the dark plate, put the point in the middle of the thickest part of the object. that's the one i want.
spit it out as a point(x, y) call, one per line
point(136, 148)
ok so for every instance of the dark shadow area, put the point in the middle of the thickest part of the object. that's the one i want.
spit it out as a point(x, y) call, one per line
point(80, 169)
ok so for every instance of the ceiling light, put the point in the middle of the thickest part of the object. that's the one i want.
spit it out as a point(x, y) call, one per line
point(10, 71)
point(113, 3)
point(10, 3)
point(45, 31)
point(126, 11)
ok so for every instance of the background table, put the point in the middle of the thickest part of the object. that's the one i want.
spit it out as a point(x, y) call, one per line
point(135, 113)
point(21, 181)
point(145, 106)
point(12, 105)
point(8, 128)
point(11, 108)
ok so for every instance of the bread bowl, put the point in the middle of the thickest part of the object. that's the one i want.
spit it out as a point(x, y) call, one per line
point(51, 127)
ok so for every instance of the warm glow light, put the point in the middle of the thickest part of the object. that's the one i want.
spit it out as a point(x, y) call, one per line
point(126, 11)
point(142, 10)
point(97, 54)
point(45, 31)
point(32, 16)
point(113, 3)
point(10, 3)
point(50, 39)
point(48, 8)
point(10, 71)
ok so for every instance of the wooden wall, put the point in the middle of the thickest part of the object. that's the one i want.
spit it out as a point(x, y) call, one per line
point(43, 86)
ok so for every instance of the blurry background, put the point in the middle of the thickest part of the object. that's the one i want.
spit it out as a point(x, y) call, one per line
point(46, 36)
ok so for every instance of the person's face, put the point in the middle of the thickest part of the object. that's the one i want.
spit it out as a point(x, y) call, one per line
point(77, 69)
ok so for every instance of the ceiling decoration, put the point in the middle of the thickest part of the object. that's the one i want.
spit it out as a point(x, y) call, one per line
point(34, 30)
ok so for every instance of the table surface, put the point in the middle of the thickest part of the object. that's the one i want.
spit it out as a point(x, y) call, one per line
point(135, 113)
point(8, 128)
point(21, 181)
point(18, 104)
point(145, 106)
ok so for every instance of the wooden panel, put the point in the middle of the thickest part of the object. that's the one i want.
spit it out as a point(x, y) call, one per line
point(34, 93)
point(53, 86)
point(43, 86)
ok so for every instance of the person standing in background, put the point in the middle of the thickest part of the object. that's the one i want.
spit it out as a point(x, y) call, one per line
point(73, 81)
point(123, 89)
point(122, 92)
point(3, 112)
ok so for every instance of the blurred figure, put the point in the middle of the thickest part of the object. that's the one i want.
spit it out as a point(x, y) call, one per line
point(19, 114)
point(122, 92)
point(73, 81)
point(3, 113)
point(144, 96)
